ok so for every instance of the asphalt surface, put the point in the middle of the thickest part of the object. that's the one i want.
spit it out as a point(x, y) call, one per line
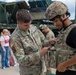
point(12, 70)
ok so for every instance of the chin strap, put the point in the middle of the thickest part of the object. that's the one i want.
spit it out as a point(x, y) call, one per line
point(63, 21)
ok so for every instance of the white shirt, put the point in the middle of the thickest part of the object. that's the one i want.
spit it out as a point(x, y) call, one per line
point(5, 40)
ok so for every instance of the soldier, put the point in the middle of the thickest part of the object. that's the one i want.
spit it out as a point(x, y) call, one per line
point(47, 32)
point(66, 40)
point(48, 35)
point(28, 42)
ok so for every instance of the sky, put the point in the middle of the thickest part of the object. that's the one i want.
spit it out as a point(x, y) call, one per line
point(69, 3)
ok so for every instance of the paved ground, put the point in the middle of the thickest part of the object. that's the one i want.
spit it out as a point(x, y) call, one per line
point(9, 71)
point(13, 70)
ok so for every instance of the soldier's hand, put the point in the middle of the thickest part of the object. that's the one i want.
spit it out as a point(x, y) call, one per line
point(61, 67)
point(44, 50)
point(52, 41)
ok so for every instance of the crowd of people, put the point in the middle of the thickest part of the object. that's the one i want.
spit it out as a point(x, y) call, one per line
point(37, 50)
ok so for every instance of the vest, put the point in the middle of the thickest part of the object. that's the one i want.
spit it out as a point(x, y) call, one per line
point(63, 51)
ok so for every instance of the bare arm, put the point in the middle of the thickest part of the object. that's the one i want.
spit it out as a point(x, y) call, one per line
point(70, 62)
point(64, 65)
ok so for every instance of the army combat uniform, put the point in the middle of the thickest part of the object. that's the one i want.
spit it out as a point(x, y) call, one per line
point(26, 49)
point(49, 35)
point(49, 55)
point(63, 51)
point(66, 41)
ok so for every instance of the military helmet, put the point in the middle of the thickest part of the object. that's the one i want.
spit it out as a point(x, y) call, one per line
point(43, 26)
point(55, 9)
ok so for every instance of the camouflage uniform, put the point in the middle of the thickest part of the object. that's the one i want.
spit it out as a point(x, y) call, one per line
point(49, 56)
point(26, 49)
point(50, 34)
point(63, 51)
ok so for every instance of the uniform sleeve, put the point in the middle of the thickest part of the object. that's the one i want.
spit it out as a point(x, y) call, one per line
point(22, 58)
point(44, 41)
point(50, 35)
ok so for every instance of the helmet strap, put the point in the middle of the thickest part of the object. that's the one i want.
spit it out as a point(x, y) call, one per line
point(63, 21)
